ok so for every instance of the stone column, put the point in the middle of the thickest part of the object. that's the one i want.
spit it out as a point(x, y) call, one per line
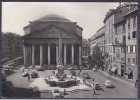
point(80, 58)
point(27, 57)
point(48, 54)
point(33, 55)
point(30, 55)
point(57, 54)
point(65, 52)
point(24, 53)
point(41, 55)
point(72, 57)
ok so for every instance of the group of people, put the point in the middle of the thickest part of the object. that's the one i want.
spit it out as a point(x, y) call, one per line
point(84, 82)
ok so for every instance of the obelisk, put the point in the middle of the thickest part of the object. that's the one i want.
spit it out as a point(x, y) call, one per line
point(60, 64)
point(60, 50)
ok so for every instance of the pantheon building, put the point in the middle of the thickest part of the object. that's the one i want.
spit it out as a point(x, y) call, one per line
point(41, 41)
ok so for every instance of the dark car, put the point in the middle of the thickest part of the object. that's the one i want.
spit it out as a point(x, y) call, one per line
point(86, 76)
point(34, 75)
point(40, 69)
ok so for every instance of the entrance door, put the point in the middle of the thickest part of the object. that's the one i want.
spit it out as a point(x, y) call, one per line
point(122, 72)
point(37, 54)
point(76, 54)
point(53, 54)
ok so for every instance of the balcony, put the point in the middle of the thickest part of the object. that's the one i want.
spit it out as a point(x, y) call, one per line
point(116, 42)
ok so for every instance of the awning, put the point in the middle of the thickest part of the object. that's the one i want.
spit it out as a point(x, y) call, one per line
point(128, 71)
point(113, 69)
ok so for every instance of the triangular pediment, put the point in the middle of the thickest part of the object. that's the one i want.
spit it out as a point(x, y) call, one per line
point(51, 32)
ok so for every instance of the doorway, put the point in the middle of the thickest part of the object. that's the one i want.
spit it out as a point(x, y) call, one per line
point(53, 54)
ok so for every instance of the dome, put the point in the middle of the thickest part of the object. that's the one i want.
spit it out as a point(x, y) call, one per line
point(54, 17)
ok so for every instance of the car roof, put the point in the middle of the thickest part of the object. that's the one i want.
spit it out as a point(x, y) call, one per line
point(108, 81)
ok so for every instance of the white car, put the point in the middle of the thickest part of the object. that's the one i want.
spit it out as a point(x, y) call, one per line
point(94, 69)
point(108, 83)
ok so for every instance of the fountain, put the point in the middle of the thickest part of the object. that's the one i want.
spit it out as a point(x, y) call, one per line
point(60, 79)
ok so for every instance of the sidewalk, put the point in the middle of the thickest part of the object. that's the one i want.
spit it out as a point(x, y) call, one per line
point(127, 81)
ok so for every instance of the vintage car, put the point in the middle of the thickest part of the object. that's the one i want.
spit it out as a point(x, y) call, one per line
point(34, 75)
point(25, 74)
point(108, 83)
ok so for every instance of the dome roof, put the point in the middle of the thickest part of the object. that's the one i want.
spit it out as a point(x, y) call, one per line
point(53, 17)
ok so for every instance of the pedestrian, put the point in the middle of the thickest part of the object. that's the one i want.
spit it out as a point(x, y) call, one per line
point(23, 70)
point(80, 70)
point(28, 78)
point(93, 79)
point(84, 81)
point(28, 68)
point(64, 91)
point(79, 74)
point(94, 92)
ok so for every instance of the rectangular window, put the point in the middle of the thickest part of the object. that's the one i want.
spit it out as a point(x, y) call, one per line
point(121, 59)
point(123, 27)
point(113, 58)
point(116, 30)
point(134, 34)
point(129, 35)
point(134, 21)
point(129, 23)
point(131, 48)
point(128, 48)
point(134, 60)
point(128, 59)
point(113, 49)
point(134, 48)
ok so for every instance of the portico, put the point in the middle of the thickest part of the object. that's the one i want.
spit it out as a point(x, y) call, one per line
point(47, 53)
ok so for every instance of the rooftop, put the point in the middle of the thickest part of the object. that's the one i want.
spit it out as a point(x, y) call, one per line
point(53, 17)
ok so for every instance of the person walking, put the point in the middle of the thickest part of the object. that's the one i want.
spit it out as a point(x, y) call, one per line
point(84, 81)
point(23, 70)
point(94, 92)
point(93, 79)
point(79, 74)
point(28, 78)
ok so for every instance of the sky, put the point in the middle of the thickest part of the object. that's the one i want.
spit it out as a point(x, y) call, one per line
point(88, 15)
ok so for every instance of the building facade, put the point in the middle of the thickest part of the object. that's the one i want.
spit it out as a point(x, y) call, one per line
point(109, 36)
point(41, 42)
point(85, 47)
point(132, 43)
point(97, 44)
point(120, 40)
point(11, 46)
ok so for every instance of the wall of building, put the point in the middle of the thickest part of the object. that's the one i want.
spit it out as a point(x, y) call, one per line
point(11, 46)
point(117, 46)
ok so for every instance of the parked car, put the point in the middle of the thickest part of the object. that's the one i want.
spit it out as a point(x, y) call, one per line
point(94, 69)
point(86, 76)
point(40, 69)
point(108, 83)
point(34, 75)
point(96, 86)
point(25, 74)
point(57, 94)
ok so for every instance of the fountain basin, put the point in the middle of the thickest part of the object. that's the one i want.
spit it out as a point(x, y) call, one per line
point(53, 81)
